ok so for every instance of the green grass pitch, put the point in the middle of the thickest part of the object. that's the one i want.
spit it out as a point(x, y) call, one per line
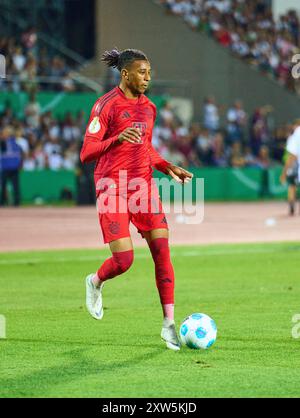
point(55, 349)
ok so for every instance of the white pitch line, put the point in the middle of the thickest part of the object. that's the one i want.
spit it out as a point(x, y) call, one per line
point(142, 256)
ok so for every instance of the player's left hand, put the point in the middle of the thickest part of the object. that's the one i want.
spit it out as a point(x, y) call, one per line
point(179, 174)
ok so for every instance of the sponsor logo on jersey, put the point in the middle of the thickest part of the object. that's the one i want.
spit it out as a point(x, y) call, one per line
point(126, 115)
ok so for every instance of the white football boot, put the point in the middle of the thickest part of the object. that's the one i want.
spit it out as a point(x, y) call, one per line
point(94, 298)
point(169, 335)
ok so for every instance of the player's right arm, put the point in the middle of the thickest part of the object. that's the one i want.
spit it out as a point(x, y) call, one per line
point(94, 145)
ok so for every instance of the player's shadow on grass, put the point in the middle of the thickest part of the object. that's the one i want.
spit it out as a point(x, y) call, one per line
point(42, 383)
point(86, 343)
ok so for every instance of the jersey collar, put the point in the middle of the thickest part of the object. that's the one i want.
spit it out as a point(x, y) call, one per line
point(120, 92)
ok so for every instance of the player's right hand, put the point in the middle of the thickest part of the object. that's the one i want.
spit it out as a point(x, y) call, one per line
point(132, 135)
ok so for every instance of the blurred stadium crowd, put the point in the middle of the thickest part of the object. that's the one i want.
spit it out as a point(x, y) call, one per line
point(226, 137)
point(44, 142)
point(29, 67)
point(249, 30)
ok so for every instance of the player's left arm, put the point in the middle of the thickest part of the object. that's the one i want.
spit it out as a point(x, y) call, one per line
point(179, 174)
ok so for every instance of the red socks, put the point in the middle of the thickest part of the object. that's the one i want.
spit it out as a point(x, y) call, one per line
point(116, 265)
point(164, 271)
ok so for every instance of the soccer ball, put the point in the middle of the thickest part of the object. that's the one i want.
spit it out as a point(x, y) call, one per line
point(198, 331)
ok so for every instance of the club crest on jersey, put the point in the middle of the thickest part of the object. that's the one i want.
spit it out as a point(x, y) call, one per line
point(95, 126)
point(142, 126)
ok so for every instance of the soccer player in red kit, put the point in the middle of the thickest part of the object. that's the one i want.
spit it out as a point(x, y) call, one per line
point(118, 138)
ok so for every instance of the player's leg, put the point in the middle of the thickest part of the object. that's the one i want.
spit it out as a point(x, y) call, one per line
point(292, 197)
point(115, 230)
point(117, 264)
point(158, 241)
point(154, 228)
point(120, 261)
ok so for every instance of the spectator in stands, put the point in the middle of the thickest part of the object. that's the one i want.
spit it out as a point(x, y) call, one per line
point(263, 159)
point(237, 159)
point(58, 70)
point(28, 74)
point(21, 141)
point(185, 147)
point(29, 40)
point(250, 159)
point(180, 130)
point(29, 161)
point(55, 160)
point(32, 139)
point(219, 154)
point(236, 122)
point(10, 164)
point(7, 117)
point(40, 156)
point(67, 83)
point(211, 117)
point(174, 156)
point(166, 114)
point(18, 59)
point(70, 131)
point(204, 146)
point(278, 144)
point(81, 122)
point(32, 112)
point(52, 147)
point(248, 29)
point(259, 129)
point(54, 130)
point(71, 157)
point(164, 132)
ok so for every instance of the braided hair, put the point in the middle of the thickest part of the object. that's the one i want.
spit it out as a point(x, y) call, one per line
point(122, 59)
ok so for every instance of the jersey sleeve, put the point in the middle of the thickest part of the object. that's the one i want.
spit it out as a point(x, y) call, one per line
point(94, 145)
point(156, 159)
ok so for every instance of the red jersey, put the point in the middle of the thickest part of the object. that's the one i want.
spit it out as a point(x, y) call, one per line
point(110, 116)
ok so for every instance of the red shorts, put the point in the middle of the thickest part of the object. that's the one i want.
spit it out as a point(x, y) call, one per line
point(115, 222)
